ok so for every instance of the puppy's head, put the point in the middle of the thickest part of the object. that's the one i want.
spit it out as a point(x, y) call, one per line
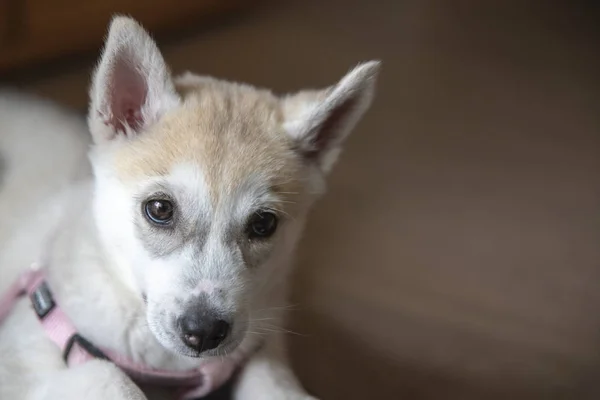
point(202, 185)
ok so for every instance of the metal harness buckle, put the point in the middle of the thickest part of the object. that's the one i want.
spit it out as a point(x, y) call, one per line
point(42, 300)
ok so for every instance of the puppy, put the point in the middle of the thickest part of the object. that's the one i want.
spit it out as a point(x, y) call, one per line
point(174, 257)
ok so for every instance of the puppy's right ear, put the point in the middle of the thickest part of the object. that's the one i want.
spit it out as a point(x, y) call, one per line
point(132, 86)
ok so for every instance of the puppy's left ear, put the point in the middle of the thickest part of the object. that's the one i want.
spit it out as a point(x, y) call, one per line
point(319, 121)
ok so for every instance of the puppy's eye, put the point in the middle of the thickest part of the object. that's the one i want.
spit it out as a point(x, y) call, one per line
point(262, 224)
point(159, 211)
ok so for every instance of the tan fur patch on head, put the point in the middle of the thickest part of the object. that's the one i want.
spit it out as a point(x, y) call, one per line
point(231, 131)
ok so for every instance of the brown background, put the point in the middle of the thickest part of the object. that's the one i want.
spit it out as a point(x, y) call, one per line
point(456, 255)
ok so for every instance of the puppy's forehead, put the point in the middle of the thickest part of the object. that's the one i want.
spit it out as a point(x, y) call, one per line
point(231, 132)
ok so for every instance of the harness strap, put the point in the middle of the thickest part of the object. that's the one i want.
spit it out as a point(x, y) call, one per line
point(16, 290)
point(77, 350)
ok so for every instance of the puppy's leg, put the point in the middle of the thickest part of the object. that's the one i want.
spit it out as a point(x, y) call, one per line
point(94, 380)
point(268, 376)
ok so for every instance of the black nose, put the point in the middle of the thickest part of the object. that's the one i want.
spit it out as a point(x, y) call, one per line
point(201, 333)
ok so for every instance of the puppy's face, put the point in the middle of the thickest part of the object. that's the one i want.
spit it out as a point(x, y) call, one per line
point(202, 206)
point(202, 185)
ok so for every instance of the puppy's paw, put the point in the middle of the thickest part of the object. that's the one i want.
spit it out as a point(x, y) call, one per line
point(276, 395)
point(309, 397)
point(94, 380)
point(106, 378)
point(299, 396)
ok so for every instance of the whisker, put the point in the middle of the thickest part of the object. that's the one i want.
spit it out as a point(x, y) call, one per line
point(284, 307)
point(282, 330)
point(261, 319)
point(287, 201)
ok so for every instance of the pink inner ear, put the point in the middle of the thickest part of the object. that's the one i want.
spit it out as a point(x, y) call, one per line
point(328, 130)
point(127, 94)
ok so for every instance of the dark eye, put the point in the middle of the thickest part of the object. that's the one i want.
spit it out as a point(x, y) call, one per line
point(262, 224)
point(159, 211)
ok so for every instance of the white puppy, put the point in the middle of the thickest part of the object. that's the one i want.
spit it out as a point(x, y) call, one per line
point(176, 255)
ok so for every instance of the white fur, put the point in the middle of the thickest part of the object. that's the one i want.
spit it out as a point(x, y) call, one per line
point(84, 233)
point(205, 286)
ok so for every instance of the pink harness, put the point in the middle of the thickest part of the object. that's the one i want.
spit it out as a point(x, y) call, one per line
point(77, 350)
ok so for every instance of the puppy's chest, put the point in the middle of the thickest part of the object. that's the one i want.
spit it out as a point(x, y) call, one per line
point(25, 349)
